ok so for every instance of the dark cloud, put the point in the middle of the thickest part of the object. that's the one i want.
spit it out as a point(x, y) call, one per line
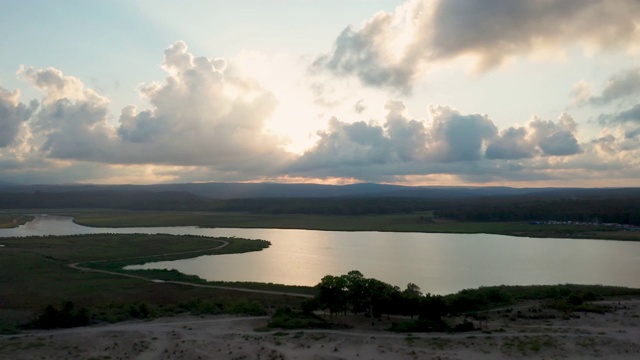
point(561, 143)
point(624, 84)
point(400, 146)
point(554, 138)
point(496, 29)
point(13, 114)
point(392, 49)
point(630, 115)
point(632, 133)
point(511, 144)
point(398, 140)
point(356, 54)
point(453, 143)
point(457, 137)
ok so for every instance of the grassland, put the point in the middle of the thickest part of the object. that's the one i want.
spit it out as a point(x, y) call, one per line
point(34, 273)
point(416, 222)
point(13, 220)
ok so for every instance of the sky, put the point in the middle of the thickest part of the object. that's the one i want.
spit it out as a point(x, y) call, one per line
point(520, 93)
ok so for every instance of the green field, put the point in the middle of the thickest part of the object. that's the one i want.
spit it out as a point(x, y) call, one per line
point(34, 274)
point(416, 222)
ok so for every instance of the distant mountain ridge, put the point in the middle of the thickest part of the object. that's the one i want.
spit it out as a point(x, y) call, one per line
point(607, 205)
point(220, 190)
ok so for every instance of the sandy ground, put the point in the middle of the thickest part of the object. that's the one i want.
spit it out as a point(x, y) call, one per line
point(614, 335)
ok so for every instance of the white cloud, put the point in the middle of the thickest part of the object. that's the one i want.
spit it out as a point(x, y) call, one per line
point(13, 114)
point(204, 113)
point(393, 49)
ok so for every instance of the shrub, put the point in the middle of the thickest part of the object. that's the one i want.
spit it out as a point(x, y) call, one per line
point(67, 316)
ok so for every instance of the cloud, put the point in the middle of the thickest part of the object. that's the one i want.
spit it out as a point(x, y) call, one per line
point(630, 115)
point(72, 122)
point(13, 114)
point(204, 113)
point(622, 88)
point(466, 146)
point(358, 143)
point(632, 133)
point(560, 143)
point(359, 107)
point(537, 138)
point(511, 144)
point(457, 137)
point(621, 85)
point(380, 52)
point(555, 138)
point(393, 49)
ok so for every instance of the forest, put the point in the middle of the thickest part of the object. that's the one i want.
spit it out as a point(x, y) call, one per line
point(620, 206)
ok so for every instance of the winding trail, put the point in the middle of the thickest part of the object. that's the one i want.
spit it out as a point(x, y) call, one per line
point(76, 266)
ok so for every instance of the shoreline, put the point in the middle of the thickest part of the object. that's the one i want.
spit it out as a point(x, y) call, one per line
point(401, 223)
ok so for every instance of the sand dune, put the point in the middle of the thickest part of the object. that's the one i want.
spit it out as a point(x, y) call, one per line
point(614, 335)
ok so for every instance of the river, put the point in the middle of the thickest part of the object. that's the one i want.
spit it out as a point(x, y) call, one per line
point(438, 263)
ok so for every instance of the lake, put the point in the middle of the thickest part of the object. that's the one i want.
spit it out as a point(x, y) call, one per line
point(438, 263)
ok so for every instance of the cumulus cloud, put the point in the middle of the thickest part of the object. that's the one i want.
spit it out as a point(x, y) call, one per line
point(537, 137)
point(465, 145)
point(457, 137)
point(204, 113)
point(13, 114)
point(511, 144)
point(555, 138)
point(399, 139)
point(393, 48)
point(72, 120)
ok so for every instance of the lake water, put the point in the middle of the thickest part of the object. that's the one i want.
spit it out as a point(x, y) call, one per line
point(438, 263)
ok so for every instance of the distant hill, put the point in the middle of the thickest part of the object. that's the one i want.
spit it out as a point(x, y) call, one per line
point(111, 199)
point(217, 190)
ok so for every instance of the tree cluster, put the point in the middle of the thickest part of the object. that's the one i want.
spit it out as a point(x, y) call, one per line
point(356, 294)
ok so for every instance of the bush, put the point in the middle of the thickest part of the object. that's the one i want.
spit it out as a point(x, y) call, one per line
point(246, 308)
point(199, 307)
point(285, 318)
point(141, 311)
point(68, 316)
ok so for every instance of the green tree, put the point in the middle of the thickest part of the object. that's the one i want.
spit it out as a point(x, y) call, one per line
point(410, 299)
point(332, 294)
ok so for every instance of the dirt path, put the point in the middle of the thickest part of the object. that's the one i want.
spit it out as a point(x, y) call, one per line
point(76, 266)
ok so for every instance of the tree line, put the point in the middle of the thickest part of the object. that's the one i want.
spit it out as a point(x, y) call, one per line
point(353, 293)
point(589, 205)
